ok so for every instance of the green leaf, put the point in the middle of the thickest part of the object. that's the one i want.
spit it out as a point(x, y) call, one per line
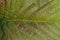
point(29, 19)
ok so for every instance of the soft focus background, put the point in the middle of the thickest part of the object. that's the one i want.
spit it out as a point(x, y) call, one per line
point(29, 19)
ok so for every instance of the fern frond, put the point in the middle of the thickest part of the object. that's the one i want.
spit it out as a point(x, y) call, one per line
point(29, 19)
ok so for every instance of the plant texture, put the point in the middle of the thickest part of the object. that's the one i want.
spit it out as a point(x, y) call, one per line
point(29, 19)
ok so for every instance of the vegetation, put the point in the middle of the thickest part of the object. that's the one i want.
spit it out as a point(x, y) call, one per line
point(29, 19)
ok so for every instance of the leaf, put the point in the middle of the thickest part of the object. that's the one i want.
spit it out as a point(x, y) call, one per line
point(29, 19)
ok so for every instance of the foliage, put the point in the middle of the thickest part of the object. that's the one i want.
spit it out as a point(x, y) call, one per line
point(29, 19)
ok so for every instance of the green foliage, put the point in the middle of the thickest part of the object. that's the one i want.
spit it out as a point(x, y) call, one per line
point(30, 20)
